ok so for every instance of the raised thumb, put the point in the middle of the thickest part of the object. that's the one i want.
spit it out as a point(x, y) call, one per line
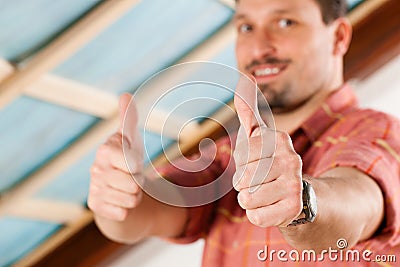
point(128, 116)
point(245, 101)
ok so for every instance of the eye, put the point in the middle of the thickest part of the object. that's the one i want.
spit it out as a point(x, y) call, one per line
point(244, 28)
point(285, 23)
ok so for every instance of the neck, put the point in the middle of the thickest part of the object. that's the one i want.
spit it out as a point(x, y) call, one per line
point(292, 120)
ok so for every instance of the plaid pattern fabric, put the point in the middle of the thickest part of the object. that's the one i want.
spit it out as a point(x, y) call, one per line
point(338, 134)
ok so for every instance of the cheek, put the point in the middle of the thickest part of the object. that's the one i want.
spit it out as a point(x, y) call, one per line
point(314, 60)
point(241, 55)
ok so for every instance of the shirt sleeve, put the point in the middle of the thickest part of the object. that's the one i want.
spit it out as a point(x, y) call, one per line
point(200, 218)
point(370, 142)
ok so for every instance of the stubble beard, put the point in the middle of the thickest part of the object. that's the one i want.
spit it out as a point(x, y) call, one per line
point(278, 100)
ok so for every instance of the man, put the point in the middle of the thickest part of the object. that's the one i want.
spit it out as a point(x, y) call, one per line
point(294, 49)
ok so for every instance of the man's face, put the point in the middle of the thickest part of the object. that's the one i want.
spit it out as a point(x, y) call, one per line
point(287, 47)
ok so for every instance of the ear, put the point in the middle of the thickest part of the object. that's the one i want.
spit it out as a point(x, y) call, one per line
point(342, 36)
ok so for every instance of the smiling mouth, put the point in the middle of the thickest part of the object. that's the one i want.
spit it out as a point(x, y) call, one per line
point(267, 71)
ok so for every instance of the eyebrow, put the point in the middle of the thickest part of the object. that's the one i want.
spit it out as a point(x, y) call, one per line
point(239, 16)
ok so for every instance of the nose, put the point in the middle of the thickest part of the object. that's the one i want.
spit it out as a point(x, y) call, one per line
point(263, 45)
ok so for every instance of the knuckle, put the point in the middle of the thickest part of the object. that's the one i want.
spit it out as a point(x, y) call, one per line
point(104, 150)
point(255, 217)
point(115, 139)
point(297, 161)
point(92, 204)
point(294, 207)
point(294, 161)
point(130, 203)
point(282, 136)
point(244, 199)
point(93, 190)
point(239, 180)
point(136, 200)
point(296, 187)
point(237, 186)
point(134, 189)
point(94, 170)
point(120, 214)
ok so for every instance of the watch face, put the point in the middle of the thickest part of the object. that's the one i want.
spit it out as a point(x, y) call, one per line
point(313, 201)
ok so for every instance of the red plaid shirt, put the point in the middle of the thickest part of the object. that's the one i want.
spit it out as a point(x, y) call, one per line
point(338, 134)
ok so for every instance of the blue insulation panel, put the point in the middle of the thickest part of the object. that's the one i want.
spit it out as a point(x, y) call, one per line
point(147, 39)
point(202, 100)
point(353, 3)
point(19, 236)
point(25, 26)
point(31, 133)
point(72, 185)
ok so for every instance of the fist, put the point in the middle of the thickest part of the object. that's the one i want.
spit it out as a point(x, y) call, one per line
point(268, 170)
point(113, 190)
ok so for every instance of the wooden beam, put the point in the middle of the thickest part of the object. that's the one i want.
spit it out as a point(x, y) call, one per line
point(76, 151)
point(364, 9)
point(74, 95)
point(376, 39)
point(170, 126)
point(89, 240)
point(206, 51)
point(206, 129)
point(213, 45)
point(83, 31)
point(6, 69)
point(43, 209)
point(229, 3)
point(68, 93)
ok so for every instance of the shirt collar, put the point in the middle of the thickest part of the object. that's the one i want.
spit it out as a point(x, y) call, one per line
point(339, 103)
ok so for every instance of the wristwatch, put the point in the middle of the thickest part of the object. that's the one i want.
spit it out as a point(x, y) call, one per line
point(310, 208)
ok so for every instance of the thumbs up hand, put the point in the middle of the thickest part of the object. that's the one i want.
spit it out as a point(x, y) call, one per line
point(268, 170)
point(112, 190)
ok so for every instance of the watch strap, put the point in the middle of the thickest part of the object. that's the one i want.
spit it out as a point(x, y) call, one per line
point(298, 221)
point(305, 206)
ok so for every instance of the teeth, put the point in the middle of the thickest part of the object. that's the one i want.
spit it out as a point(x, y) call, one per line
point(275, 70)
point(266, 71)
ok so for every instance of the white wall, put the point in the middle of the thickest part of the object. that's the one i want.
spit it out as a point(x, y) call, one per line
point(382, 90)
point(156, 253)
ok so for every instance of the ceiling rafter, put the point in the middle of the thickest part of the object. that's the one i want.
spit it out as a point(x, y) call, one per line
point(229, 3)
point(44, 209)
point(210, 48)
point(97, 134)
point(68, 93)
point(364, 9)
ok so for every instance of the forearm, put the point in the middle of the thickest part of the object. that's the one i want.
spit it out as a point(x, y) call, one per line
point(149, 218)
point(350, 206)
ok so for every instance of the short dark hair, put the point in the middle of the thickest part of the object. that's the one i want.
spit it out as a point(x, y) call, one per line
point(330, 9)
